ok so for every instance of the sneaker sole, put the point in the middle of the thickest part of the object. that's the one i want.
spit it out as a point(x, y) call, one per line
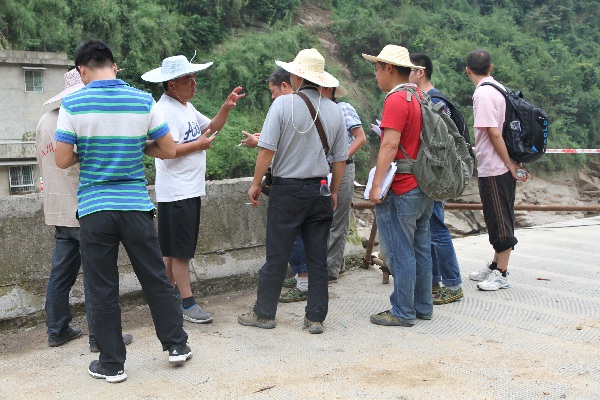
point(108, 378)
point(292, 300)
point(197, 321)
point(180, 359)
point(448, 300)
point(262, 325)
point(492, 289)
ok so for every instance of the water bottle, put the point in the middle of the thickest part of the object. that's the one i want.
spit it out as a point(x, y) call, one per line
point(521, 173)
point(324, 188)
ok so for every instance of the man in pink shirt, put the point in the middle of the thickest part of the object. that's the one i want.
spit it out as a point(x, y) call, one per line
point(495, 169)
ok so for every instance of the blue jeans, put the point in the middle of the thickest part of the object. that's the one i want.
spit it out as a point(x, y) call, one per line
point(295, 208)
point(297, 256)
point(66, 261)
point(445, 265)
point(403, 223)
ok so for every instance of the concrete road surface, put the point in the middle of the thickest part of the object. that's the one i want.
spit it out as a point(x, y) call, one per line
point(537, 340)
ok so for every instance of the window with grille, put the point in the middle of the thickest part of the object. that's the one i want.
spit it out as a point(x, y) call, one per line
point(33, 81)
point(21, 179)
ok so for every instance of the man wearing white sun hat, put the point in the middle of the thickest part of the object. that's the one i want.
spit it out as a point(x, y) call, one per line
point(289, 138)
point(180, 181)
point(403, 215)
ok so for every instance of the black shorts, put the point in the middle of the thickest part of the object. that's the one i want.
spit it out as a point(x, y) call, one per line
point(498, 199)
point(178, 227)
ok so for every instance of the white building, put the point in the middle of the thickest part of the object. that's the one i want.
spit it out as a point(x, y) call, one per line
point(27, 80)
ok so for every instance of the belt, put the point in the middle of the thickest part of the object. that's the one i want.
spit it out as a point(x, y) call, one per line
point(350, 161)
point(294, 181)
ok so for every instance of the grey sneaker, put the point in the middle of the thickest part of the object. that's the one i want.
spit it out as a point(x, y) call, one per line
point(313, 327)
point(388, 319)
point(127, 338)
point(480, 275)
point(251, 319)
point(178, 354)
point(290, 283)
point(196, 314)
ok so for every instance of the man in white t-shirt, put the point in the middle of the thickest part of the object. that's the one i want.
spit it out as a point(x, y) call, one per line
point(180, 181)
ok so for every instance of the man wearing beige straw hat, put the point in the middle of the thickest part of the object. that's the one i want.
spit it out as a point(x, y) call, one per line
point(403, 215)
point(180, 181)
point(60, 206)
point(298, 200)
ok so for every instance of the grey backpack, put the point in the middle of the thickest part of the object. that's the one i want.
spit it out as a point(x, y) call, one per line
point(443, 166)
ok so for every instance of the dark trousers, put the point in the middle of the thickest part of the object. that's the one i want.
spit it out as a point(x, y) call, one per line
point(101, 234)
point(497, 195)
point(296, 208)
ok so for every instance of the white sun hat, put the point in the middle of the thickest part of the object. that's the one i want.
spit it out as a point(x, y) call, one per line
point(73, 83)
point(310, 65)
point(173, 67)
point(392, 54)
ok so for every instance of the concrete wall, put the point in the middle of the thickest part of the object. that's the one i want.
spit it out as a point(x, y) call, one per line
point(230, 251)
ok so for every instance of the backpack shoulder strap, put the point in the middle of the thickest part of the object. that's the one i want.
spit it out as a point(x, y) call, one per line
point(317, 120)
point(504, 91)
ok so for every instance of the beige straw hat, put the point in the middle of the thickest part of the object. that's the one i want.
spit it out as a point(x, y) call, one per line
point(73, 83)
point(310, 65)
point(340, 91)
point(392, 54)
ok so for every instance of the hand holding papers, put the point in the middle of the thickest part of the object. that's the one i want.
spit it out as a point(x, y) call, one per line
point(387, 181)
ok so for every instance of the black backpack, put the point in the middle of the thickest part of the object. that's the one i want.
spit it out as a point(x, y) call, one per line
point(525, 130)
point(457, 118)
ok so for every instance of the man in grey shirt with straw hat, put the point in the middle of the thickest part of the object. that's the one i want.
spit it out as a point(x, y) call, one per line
point(289, 138)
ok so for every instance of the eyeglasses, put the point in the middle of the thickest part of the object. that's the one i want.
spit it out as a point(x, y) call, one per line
point(382, 65)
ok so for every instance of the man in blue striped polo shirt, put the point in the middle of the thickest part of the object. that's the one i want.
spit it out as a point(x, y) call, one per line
point(113, 125)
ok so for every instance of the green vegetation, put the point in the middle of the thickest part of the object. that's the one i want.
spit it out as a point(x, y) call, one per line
point(546, 48)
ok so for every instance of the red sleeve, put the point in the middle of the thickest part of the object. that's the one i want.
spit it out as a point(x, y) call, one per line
point(395, 113)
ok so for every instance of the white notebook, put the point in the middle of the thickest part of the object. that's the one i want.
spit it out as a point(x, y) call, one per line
point(387, 181)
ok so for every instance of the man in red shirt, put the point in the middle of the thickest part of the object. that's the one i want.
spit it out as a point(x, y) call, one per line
point(403, 215)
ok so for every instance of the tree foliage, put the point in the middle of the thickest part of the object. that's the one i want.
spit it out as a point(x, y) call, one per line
point(548, 49)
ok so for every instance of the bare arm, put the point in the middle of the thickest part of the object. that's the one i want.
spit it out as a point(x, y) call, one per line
point(387, 154)
point(262, 164)
point(336, 179)
point(219, 120)
point(498, 142)
point(359, 141)
point(163, 147)
point(203, 143)
point(65, 155)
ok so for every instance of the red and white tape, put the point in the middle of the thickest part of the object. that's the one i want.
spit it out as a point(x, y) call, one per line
point(572, 151)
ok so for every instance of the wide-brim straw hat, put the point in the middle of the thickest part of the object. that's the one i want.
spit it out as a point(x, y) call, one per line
point(340, 91)
point(172, 68)
point(392, 54)
point(73, 83)
point(310, 65)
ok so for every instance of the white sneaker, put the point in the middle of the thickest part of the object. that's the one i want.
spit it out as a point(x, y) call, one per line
point(494, 281)
point(480, 275)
